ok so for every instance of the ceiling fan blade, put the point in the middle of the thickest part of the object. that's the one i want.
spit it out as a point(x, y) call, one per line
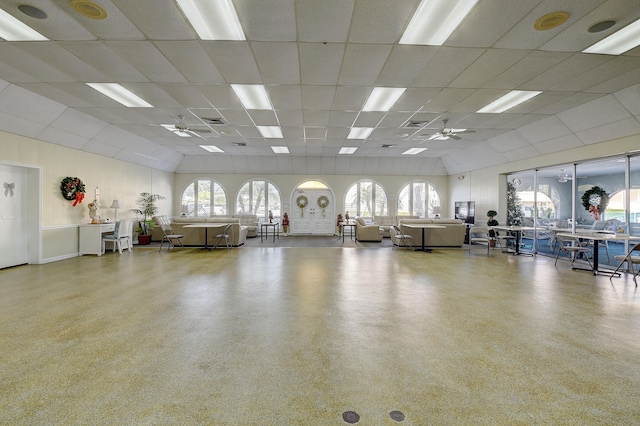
point(200, 130)
point(467, 131)
point(454, 136)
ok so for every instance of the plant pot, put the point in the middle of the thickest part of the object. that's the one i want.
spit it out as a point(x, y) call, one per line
point(492, 243)
point(144, 239)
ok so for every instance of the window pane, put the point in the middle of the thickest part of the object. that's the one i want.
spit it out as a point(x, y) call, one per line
point(274, 201)
point(404, 204)
point(219, 200)
point(242, 203)
point(419, 199)
point(634, 198)
point(365, 206)
point(382, 208)
point(351, 201)
point(258, 198)
point(204, 197)
point(434, 202)
point(188, 199)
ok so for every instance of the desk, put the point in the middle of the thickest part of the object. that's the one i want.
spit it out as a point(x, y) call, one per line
point(517, 230)
point(595, 237)
point(348, 224)
point(276, 230)
point(90, 241)
point(206, 227)
point(423, 226)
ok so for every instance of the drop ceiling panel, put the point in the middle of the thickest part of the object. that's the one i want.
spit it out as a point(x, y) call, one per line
point(320, 63)
point(528, 68)
point(273, 20)
point(362, 64)
point(630, 99)
point(182, 94)
point(610, 131)
point(350, 98)
point(18, 102)
point(549, 128)
point(274, 61)
point(446, 65)
point(61, 95)
point(106, 60)
point(566, 101)
point(32, 66)
point(596, 113)
point(405, 64)
point(234, 60)
point(147, 59)
point(612, 68)
point(487, 67)
point(191, 60)
point(168, 25)
point(559, 144)
point(318, 97)
point(391, 18)
point(316, 118)
point(117, 26)
point(325, 21)
point(286, 97)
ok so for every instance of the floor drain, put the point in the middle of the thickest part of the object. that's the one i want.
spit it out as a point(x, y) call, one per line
point(398, 416)
point(351, 417)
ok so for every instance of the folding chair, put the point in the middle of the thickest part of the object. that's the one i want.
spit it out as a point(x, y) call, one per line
point(572, 247)
point(633, 260)
point(480, 236)
point(401, 238)
point(168, 233)
point(224, 236)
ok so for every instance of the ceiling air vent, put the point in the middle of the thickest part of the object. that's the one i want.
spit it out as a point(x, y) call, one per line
point(214, 121)
point(415, 124)
point(89, 9)
point(240, 144)
point(390, 145)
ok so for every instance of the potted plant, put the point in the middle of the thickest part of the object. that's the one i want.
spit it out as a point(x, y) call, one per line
point(492, 222)
point(147, 208)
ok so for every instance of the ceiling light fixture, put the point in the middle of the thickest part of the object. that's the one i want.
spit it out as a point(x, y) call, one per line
point(435, 20)
point(508, 101)
point(213, 20)
point(347, 150)
point(120, 94)
point(383, 98)
point(252, 96)
point(413, 151)
point(280, 149)
point(270, 132)
point(360, 132)
point(12, 29)
point(211, 148)
point(618, 42)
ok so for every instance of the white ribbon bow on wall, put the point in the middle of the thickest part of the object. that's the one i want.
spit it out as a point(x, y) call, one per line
point(8, 188)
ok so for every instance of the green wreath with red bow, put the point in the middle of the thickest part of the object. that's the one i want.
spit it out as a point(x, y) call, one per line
point(72, 189)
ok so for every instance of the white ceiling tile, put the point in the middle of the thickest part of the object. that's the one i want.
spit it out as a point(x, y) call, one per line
point(234, 60)
point(274, 62)
point(320, 63)
point(191, 60)
point(326, 21)
point(362, 64)
point(446, 65)
point(274, 20)
point(610, 131)
point(630, 98)
point(390, 17)
point(318, 97)
point(562, 143)
point(596, 113)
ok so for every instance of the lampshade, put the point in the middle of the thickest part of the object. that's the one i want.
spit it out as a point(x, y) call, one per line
point(115, 204)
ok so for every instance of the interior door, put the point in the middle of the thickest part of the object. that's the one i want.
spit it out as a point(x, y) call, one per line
point(312, 219)
point(14, 247)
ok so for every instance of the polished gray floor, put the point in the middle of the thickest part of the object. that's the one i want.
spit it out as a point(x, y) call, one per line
point(268, 335)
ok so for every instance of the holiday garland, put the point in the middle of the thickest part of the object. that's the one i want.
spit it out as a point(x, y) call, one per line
point(72, 188)
point(595, 201)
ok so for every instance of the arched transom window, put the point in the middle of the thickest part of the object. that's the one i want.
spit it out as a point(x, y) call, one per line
point(366, 199)
point(257, 197)
point(203, 197)
point(419, 199)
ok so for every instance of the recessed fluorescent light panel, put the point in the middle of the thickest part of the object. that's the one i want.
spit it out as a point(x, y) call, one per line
point(413, 151)
point(12, 29)
point(347, 150)
point(270, 132)
point(213, 20)
point(360, 132)
point(508, 101)
point(211, 148)
point(435, 20)
point(120, 94)
point(618, 42)
point(383, 98)
point(252, 96)
point(280, 149)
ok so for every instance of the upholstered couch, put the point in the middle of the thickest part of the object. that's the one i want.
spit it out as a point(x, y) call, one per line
point(250, 221)
point(367, 232)
point(385, 223)
point(451, 236)
point(195, 236)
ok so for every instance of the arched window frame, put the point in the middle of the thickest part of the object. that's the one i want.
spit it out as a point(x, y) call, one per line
point(215, 191)
point(379, 200)
point(431, 206)
point(275, 205)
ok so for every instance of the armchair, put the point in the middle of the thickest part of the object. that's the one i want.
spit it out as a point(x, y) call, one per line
point(366, 232)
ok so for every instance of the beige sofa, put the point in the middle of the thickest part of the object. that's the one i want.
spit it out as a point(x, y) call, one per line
point(249, 221)
point(195, 236)
point(366, 232)
point(385, 223)
point(451, 236)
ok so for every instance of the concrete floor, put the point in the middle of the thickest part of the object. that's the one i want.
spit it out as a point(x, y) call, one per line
point(299, 336)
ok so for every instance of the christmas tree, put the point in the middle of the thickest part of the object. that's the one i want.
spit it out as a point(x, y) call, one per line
point(514, 207)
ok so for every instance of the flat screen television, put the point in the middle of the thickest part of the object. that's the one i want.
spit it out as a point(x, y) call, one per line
point(466, 211)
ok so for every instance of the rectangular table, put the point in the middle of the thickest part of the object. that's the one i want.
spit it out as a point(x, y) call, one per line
point(90, 239)
point(423, 226)
point(206, 227)
point(349, 224)
point(276, 230)
point(595, 238)
point(517, 230)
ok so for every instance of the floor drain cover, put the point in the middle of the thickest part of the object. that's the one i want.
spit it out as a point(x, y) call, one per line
point(398, 416)
point(351, 417)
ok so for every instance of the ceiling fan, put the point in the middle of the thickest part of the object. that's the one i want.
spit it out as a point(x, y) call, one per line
point(564, 177)
point(181, 128)
point(449, 133)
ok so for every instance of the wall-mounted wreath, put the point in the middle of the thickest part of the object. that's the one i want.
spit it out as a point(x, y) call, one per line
point(595, 201)
point(72, 188)
point(323, 202)
point(302, 202)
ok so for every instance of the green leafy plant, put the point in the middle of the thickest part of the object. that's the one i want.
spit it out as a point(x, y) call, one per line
point(147, 208)
point(491, 214)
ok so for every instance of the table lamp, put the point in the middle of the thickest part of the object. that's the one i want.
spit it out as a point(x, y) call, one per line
point(115, 205)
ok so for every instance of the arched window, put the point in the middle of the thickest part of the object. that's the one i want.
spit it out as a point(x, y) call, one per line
point(258, 197)
point(366, 199)
point(204, 197)
point(419, 199)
